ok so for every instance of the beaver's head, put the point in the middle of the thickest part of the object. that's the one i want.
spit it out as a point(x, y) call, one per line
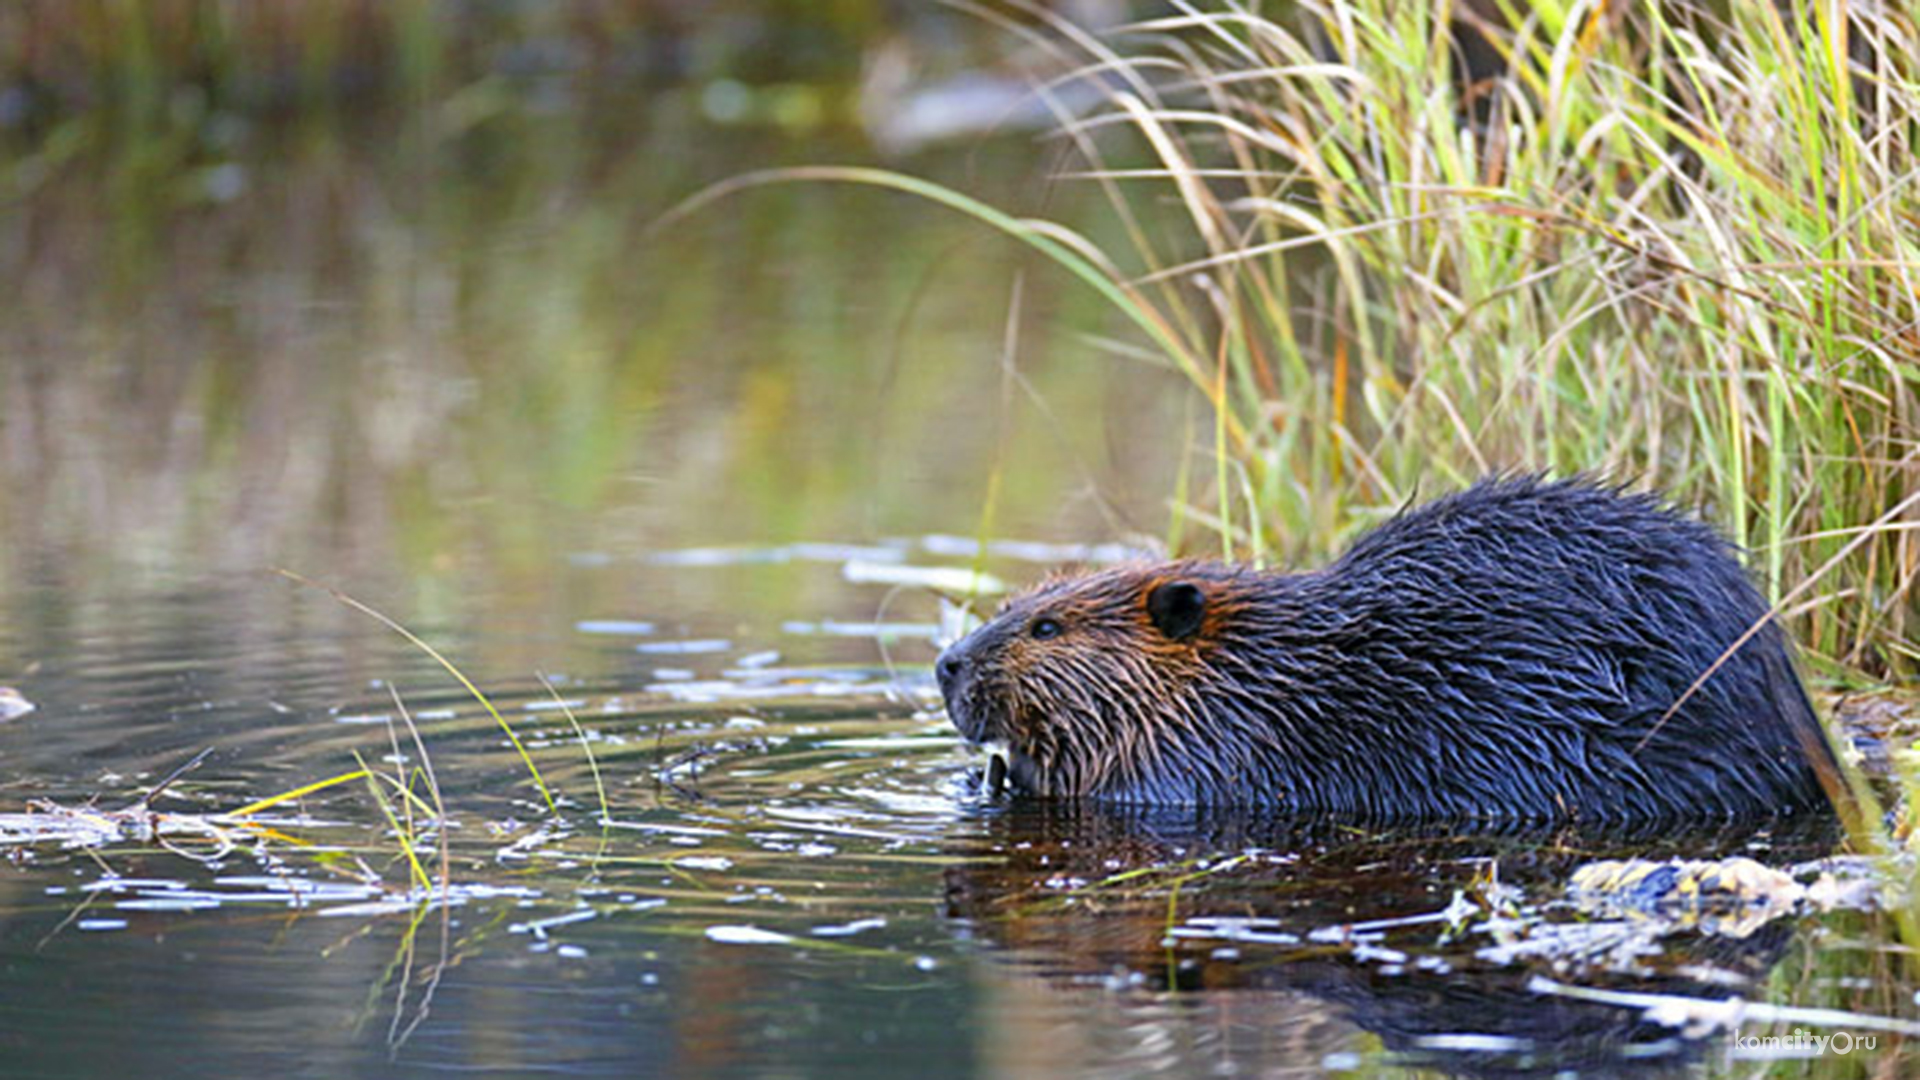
point(1095, 685)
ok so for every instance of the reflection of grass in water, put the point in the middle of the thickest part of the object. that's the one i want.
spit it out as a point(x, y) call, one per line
point(506, 386)
point(500, 353)
point(1843, 964)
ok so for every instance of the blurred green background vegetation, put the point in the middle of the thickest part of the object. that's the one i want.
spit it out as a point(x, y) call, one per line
point(370, 289)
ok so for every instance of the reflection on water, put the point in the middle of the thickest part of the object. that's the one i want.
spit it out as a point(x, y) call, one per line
point(689, 479)
point(1323, 945)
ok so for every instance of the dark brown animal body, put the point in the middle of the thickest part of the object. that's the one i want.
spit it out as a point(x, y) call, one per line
point(1522, 650)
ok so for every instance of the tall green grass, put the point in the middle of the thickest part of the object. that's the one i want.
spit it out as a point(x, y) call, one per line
point(1670, 243)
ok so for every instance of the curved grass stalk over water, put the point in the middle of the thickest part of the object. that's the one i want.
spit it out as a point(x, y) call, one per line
point(526, 758)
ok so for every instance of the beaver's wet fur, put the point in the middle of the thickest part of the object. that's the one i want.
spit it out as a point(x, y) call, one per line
point(1514, 651)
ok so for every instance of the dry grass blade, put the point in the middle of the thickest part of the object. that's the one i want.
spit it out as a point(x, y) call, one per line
point(271, 801)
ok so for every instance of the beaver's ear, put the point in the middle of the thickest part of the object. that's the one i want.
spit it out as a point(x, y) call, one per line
point(1177, 608)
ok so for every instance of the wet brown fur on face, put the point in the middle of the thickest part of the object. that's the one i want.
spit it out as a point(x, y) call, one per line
point(1123, 679)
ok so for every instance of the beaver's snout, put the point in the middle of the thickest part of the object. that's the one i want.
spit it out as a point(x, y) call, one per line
point(955, 670)
point(949, 668)
point(969, 712)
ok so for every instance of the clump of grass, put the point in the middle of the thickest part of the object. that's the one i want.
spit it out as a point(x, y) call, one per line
point(1664, 241)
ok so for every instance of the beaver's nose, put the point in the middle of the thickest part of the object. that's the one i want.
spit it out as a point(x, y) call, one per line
point(948, 668)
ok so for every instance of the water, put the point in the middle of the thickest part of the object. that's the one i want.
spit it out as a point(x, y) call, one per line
point(673, 477)
point(796, 872)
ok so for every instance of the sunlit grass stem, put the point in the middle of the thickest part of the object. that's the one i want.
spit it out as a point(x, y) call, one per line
point(526, 759)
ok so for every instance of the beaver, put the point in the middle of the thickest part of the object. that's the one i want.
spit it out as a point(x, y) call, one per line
point(1524, 649)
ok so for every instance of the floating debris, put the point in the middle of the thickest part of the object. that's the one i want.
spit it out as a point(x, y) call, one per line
point(710, 691)
point(953, 579)
point(1682, 885)
point(1631, 906)
point(539, 927)
point(13, 704)
point(618, 627)
point(684, 648)
point(1475, 1043)
point(833, 553)
point(1698, 1017)
point(940, 740)
point(798, 552)
point(1617, 945)
point(90, 827)
point(748, 935)
point(849, 929)
point(555, 705)
point(836, 628)
point(1252, 930)
point(1034, 551)
point(1640, 883)
point(719, 556)
point(120, 884)
point(179, 902)
point(670, 830)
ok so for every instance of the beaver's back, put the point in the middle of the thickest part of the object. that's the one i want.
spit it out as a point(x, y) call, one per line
point(1574, 618)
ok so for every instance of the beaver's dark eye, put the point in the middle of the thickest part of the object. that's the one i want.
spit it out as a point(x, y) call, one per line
point(1042, 629)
